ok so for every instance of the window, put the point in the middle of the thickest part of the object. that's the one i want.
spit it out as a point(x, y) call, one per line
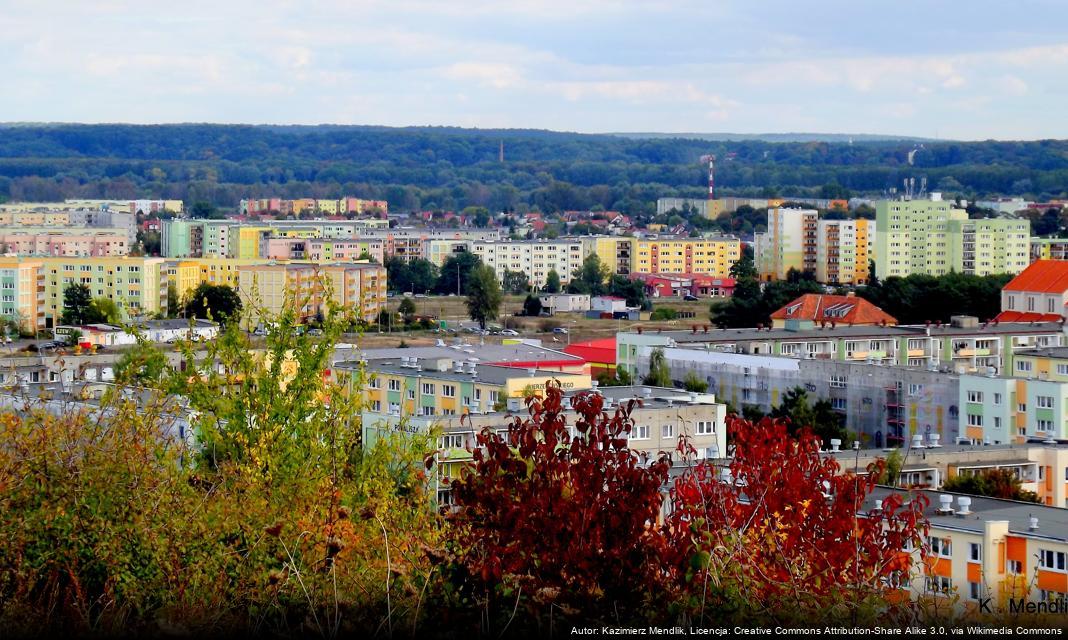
point(1015, 567)
point(1041, 472)
point(1051, 560)
point(376, 405)
point(1022, 407)
point(975, 552)
point(374, 383)
point(975, 396)
point(427, 411)
point(1044, 425)
point(975, 591)
point(997, 398)
point(428, 389)
point(915, 389)
point(492, 397)
point(452, 441)
point(411, 394)
point(641, 432)
point(838, 382)
point(394, 408)
point(941, 547)
point(997, 422)
point(667, 431)
point(706, 427)
point(975, 420)
point(937, 584)
point(1044, 402)
point(467, 401)
point(394, 385)
point(1023, 366)
point(1062, 369)
point(839, 404)
point(448, 390)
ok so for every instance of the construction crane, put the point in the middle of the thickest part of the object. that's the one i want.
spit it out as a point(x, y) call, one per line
point(711, 160)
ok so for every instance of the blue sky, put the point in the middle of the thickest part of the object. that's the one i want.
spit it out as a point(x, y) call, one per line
point(966, 70)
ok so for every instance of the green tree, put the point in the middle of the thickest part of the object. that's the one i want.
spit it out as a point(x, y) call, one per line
point(894, 462)
point(516, 282)
point(659, 375)
point(174, 305)
point(406, 307)
point(633, 291)
point(820, 417)
point(104, 310)
point(141, 365)
point(457, 269)
point(217, 302)
point(693, 382)
point(590, 277)
point(552, 282)
point(621, 378)
point(77, 300)
point(532, 306)
point(74, 337)
point(994, 483)
point(483, 295)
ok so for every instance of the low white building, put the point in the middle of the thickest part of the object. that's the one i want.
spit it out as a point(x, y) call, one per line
point(553, 303)
point(609, 304)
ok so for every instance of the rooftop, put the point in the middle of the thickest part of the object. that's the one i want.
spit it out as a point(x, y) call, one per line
point(488, 353)
point(432, 368)
point(733, 335)
point(1046, 276)
point(847, 309)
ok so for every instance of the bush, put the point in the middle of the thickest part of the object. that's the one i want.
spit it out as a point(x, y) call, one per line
point(663, 313)
point(546, 326)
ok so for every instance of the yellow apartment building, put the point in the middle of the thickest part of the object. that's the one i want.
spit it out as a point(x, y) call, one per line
point(267, 289)
point(706, 256)
point(22, 292)
point(137, 285)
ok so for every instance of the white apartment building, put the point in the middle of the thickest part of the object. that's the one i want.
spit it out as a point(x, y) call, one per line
point(535, 258)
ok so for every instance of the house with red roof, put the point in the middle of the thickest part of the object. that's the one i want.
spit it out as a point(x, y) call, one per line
point(1038, 294)
point(814, 309)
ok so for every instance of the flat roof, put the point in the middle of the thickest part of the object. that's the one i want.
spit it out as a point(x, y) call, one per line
point(1045, 352)
point(1052, 521)
point(733, 335)
point(485, 373)
point(488, 353)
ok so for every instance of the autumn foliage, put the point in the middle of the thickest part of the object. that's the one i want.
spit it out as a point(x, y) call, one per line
point(550, 518)
point(783, 534)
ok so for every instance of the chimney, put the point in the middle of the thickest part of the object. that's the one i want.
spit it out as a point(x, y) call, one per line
point(878, 505)
point(917, 441)
point(963, 504)
point(1032, 523)
point(836, 444)
point(945, 504)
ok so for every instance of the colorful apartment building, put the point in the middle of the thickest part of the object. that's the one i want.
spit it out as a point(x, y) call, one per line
point(66, 241)
point(187, 274)
point(1029, 406)
point(340, 206)
point(614, 252)
point(1049, 249)
point(789, 243)
point(137, 285)
point(22, 292)
point(989, 246)
point(309, 288)
point(843, 251)
point(712, 256)
point(932, 237)
point(1038, 293)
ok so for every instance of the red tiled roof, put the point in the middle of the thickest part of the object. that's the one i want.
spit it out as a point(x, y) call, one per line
point(1044, 276)
point(601, 351)
point(1027, 316)
point(840, 309)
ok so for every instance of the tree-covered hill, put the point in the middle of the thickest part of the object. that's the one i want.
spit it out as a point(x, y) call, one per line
point(446, 167)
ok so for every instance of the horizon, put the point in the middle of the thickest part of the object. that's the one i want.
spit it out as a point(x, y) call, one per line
point(684, 135)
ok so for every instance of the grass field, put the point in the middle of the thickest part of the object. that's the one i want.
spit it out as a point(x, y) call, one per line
point(453, 310)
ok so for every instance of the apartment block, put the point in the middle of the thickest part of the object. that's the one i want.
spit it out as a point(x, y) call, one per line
point(989, 246)
point(22, 292)
point(267, 289)
point(535, 258)
point(613, 252)
point(931, 237)
point(963, 346)
point(843, 250)
point(64, 242)
point(789, 243)
point(137, 285)
point(712, 256)
point(1013, 409)
point(1049, 249)
point(67, 215)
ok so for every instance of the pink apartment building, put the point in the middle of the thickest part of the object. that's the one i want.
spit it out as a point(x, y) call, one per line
point(67, 245)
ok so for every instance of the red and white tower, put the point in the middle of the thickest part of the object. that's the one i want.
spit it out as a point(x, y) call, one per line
point(711, 159)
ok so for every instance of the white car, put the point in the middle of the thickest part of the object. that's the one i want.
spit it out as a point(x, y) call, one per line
point(509, 332)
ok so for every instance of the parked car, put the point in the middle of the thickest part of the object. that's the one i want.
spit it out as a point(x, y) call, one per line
point(315, 332)
point(509, 332)
point(689, 297)
point(560, 330)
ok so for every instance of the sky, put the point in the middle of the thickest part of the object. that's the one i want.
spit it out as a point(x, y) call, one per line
point(968, 69)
